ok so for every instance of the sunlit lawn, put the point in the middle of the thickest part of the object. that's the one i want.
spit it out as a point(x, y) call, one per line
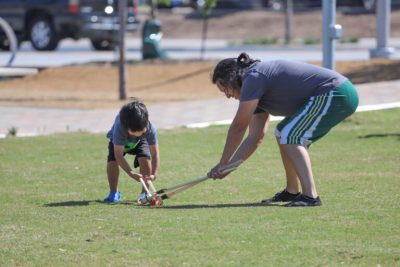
point(51, 211)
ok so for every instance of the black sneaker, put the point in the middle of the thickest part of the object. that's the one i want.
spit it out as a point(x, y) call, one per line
point(282, 196)
point(304, 201)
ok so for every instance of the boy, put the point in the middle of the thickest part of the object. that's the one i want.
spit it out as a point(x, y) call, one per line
point(132, 133)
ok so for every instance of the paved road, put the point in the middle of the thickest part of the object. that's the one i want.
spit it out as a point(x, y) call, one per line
point(38, 121)
point(78, 52)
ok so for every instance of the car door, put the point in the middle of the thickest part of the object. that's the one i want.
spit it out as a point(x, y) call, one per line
point(13, 12)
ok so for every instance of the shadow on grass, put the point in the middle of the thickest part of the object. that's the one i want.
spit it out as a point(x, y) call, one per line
point(72, 203)
point(85, 203)
point(380, 135)
point(218, 206)
point(188, 206)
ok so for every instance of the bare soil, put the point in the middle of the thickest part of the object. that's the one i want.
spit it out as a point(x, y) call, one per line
point(96, 85)
point(250, 24)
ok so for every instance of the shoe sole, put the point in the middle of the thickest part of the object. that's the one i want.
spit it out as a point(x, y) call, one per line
point(302, 204)
point(112, 201)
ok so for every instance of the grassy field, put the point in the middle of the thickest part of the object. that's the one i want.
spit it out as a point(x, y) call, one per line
point(52, 215)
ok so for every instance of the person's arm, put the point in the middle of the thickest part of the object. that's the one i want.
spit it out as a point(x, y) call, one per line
point(235, 135)
point(155, 159)
point(258, 127)
point(237, 129)
point(119, 157)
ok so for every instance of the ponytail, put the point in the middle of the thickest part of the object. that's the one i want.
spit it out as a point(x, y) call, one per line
point(244, 60)
point(229, 72)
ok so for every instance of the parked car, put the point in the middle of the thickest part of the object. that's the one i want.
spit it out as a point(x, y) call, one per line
point(176, 3)
point(368, 5)
point(45, 22)
point(235, 4)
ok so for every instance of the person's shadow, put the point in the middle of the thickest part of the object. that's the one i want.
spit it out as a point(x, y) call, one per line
point(71, 203)
point(186, 206)
point(218, 206)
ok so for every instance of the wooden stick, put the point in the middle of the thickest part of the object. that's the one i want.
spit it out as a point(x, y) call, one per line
point(169, 192)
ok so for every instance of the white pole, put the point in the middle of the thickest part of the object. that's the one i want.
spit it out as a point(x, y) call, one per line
point(330, 32)
point(11, 38)
point(382, 31)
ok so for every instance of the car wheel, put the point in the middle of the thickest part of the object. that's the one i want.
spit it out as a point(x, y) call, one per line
point(42, 34)
point(103, 45)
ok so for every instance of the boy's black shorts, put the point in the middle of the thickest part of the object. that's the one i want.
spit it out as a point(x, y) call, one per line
point(141, 150)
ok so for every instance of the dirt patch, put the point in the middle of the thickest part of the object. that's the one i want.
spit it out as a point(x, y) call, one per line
point(97, 86)
point(250, 24)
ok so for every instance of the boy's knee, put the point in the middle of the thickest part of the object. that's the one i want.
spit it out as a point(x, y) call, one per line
point(140, 161)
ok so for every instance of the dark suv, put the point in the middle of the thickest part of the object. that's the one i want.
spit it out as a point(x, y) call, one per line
point(45, 22)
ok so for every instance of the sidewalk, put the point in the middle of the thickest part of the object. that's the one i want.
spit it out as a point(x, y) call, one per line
point(43, 121)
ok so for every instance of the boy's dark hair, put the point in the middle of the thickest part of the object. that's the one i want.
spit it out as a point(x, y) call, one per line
point(229, 72)
point(134, 116)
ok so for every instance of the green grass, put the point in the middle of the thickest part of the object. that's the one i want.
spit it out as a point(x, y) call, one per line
point(51, 213)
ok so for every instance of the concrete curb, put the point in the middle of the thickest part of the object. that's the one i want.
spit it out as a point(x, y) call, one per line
point(17, 72)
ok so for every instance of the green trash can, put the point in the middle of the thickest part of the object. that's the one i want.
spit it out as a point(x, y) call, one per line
point(151, 37)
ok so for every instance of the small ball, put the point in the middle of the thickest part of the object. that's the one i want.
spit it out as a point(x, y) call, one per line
point(159, 202)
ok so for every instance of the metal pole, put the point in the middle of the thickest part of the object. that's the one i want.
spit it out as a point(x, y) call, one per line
point(330, 32)
point(382, 31)
point(122, 15)
point(153, 9)
point(289, 21)
point(12, 39)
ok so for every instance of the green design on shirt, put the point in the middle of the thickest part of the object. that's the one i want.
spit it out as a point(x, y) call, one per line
point(129, 146)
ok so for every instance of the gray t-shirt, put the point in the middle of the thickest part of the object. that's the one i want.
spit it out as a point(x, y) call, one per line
point(282, 86)
point(119, 135)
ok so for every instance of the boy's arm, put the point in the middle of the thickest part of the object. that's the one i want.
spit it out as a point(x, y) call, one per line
point(155, 159)
point(119, 157)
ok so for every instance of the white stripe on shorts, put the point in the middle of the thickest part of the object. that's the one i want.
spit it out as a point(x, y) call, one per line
point(285, 131)
point(310, 131)
point(303, 127)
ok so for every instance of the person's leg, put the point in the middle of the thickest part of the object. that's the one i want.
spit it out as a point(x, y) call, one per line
point(113, 175)
point(142, 159)
point(112, 169)
point(299, 157)
point(291, 134)
point(114, 195)
point(144, 168)
point(292, 179)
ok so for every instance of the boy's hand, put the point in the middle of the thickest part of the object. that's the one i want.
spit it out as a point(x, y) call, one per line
point(135, 176)
point(149, 177)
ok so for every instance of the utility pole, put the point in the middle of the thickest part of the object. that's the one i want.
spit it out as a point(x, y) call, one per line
point(382, 31)
point(289, 21)
point(153, 9)
point(330, 32)
point(122, 17)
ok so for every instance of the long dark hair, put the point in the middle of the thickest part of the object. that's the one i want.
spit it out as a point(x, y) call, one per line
point(229, 72)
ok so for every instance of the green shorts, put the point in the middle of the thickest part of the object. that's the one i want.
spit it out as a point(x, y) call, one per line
point(315, 118)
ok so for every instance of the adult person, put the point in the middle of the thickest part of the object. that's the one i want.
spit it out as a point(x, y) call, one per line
point(311, 98)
